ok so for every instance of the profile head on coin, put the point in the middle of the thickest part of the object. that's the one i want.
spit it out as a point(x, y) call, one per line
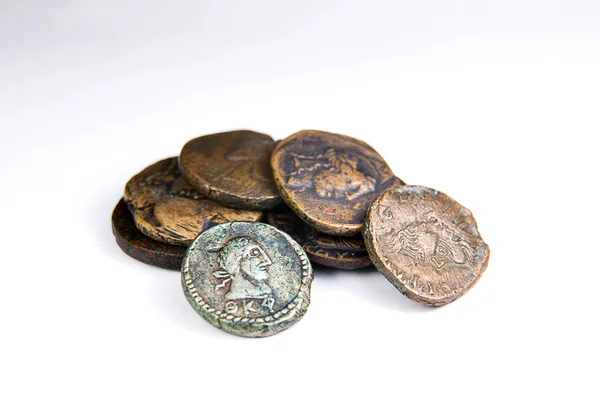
point(245, 263)
point(329, 179)
point(167, 209)
point(425, 243)
point(248, 279)
point(232, 168)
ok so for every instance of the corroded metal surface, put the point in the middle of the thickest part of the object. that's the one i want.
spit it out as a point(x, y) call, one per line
point(248, 279)
point(425, 243)
point(167, 209)
point(329, 180)
point(339, 252)
point(140, 247)
point(232, 168)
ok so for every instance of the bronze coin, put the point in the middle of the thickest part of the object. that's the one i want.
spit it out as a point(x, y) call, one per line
point(232, 168)
point(329, 180)
point(167, 209)
point(425, 243)
point(140, 247)
point(340, 252)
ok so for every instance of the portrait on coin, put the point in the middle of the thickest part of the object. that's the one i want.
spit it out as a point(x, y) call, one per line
point(243, 270)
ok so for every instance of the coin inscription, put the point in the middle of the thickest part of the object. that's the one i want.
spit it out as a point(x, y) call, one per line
point(167, 209)
point(248, 279)
point(329, 180)
point(425, 243)
point(330, 174)
point(232, 168)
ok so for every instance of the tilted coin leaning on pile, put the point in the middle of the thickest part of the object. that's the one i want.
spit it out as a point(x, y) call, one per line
point(243, 216)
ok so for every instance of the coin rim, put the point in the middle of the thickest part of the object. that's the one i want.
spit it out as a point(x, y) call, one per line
point(263, 326)
point(344, 229)
point(220, 195)
point(170, 257)
point(380, 265)
point(315, 257)
point(138, 219)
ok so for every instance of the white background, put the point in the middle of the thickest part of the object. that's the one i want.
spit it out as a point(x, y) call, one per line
point(495, 103)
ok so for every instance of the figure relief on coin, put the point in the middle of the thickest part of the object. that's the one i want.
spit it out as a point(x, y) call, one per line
point(432, 241)
point(242, 277)
point(232, 168)
point(168, 209)
point(249, 279)
point(425, 243)
point(243, 164)
point(332, 174)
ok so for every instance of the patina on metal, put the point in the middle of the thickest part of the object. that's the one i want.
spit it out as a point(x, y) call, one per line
point(340, 252)
point(248, 279)
point(141, 247)
point(329, 180)
point(232, 168)
point(167, 209)
point(425, 243)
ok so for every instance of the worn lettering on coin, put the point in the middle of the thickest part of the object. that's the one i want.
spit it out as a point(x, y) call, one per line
point(248, 279)
point(425, 243)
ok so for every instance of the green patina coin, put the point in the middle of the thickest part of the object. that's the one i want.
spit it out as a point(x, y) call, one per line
point(248, 279)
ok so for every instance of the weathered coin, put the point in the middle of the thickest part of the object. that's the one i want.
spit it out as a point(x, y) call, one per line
point(328, 250)
point(329, 180)
point(167, 209)
point(141, 247)
point(248, 279)
point(232, 168)
point(425, 243)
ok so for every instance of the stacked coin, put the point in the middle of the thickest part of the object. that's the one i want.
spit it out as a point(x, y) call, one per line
point(326, 197)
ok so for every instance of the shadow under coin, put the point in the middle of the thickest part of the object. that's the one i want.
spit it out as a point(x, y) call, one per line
point(371, 285)
point(171, 302)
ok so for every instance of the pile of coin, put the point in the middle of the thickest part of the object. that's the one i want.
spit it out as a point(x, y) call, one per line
point(243, 216)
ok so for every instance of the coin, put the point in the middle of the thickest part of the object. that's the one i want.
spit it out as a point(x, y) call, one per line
point(328, 250)
point(232, 168)
point(140, 247)
point(167, 209)
point(329, 180)
point(248, 279)
point(425, 243)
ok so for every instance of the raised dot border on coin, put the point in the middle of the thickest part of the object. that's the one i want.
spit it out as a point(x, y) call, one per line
point(271, 324)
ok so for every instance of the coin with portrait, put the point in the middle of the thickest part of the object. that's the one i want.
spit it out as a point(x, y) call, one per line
point(232, 168)
point(141, 247)
point(425, 243)
point(248, 279)
point(333, 251)
point(167, 209)
point(329, 180)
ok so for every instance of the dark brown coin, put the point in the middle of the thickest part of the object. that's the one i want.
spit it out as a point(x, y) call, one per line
point(140, 247)
point(329, 180)
point(339, 252)
point(167, 209)
point(425, 243)
point(232, 168)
